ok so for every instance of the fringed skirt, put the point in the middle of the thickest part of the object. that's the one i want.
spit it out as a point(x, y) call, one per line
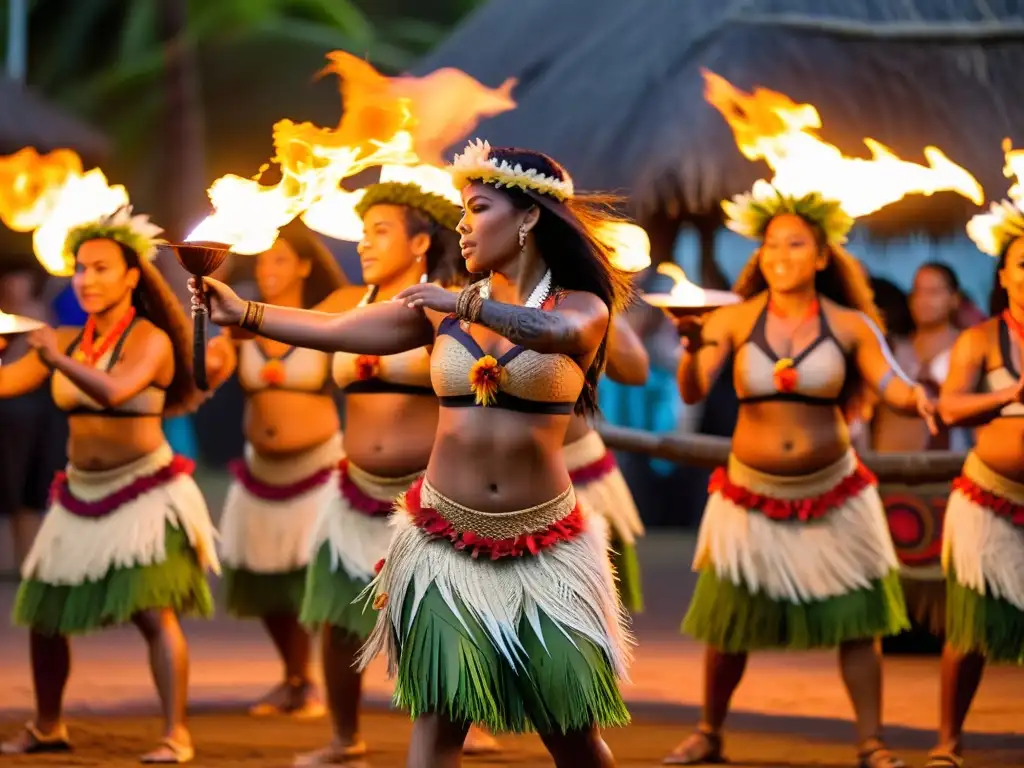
point(507, 620)
point(602, 489)
point(794, 562)
point(349, 542)
point(116, 542)
point(268, 520)
point(983, 555)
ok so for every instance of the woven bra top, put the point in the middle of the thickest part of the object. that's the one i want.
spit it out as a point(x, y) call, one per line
point(72, 400)
point(531, 382)
point(820, 368)
point(1005, 374)
point(297, 370)
point(407, 373)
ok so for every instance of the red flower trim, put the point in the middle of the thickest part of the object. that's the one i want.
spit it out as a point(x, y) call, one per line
point(595, 470)
point(378, 566)
point(802, 510)
point(60, 492)
point(431, 522)
point(1001, 507)
point(266, 492)
point(359, 500)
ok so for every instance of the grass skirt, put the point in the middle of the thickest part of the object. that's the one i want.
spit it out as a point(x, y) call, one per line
point(602, 488)
point(265, 529)
point(794, 562)
point(117, 542)
point(350, 538)
point(516, 630)
point(983, 554)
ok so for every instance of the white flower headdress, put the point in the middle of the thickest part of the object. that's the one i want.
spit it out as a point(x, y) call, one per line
point(992, 232)
point(135, 232)
point(476, 164)
point(750, 214)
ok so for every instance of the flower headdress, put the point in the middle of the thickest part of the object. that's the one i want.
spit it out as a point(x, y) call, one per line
point(476, 164)
point(135, 232)
point(438, 208)
point(992, 232)
point(750, 214)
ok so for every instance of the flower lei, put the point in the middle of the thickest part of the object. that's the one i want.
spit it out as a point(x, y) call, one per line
point(475, 164)
point(87, 352)
point(750, 214)
point(442, 211)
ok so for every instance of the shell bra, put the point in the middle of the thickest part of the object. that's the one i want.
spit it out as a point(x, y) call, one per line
point(821, 367)
point(407, 373)
point(72, 400)
point(300, 370)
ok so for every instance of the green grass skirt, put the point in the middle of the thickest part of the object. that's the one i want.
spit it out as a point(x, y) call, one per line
point(627, 576)
point(329, 597)
point(977, 623)
point(560, 684)
point(730, 618)
point(178, 582)
point(251, 595)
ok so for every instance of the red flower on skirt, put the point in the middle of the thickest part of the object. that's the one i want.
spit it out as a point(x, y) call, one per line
point(359, 499)
point(60, 491)
point(1010, 510)
point(802, 510)
point(431, 522)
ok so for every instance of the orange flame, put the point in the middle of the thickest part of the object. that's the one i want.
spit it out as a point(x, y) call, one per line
point(387, 121)
point(769, 126)
point(29, 183)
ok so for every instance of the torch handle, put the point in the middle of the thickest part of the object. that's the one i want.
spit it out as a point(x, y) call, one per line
point(200, 315)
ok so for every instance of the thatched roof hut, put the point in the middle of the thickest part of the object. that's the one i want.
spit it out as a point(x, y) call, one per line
point(614, 89)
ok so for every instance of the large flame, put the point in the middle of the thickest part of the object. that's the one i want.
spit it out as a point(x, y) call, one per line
point(30, 182)
point(770, 126)
point(1014, 169)
point(683, 293)
point(50, 195)
point(629, 245)
point(387, 121)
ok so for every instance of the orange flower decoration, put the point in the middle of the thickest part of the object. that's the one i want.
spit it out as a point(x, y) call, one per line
point(785, 375)
point(380, 602)
point(272, 373)
point(367, 367)
point(485, 379)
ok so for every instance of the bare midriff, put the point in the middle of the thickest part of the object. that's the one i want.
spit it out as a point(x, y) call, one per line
point(789, 439)
point(1000, 446)
point(280, 423)
point(97, 443)
point(390, 435)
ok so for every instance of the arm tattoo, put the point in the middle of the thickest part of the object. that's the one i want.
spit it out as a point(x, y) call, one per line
point(530, 327)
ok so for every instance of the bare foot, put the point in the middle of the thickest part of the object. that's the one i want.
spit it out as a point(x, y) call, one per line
point(33, 741)
point(170, 752)
point(334, 753)
point(479, 742)
point(296, 698)
point(699, 748)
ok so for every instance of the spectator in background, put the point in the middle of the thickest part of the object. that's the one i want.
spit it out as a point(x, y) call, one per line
point(34, 434)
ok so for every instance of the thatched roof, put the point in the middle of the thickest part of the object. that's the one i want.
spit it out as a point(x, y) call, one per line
point(27, 120)
point(614, 90)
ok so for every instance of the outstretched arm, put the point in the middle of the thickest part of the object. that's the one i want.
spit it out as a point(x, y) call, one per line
point(145, 356)
point(707, 346)
point(25, 375)
point(628, 362)
point(960, 404)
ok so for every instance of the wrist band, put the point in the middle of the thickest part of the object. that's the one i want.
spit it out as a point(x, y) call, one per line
point(252, 318)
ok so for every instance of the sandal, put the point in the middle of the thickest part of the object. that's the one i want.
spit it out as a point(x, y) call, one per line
point(331, 755)
point(170, 752)
point(701, 748)
point(944, 760)
point(32, 741)
point(878, 756)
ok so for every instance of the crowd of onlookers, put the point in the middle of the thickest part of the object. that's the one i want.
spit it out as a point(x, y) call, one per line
point(922, 327)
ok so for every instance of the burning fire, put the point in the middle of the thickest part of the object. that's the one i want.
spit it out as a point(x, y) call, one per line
point(1014, 169)
point(683, 293)
point(50, 194)
point(769, 126)
point(386, 122)
point(629, 244)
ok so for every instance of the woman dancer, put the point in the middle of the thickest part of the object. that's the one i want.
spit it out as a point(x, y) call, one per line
point(127, 535)
point(390, 421)
point(480, 628)
point(596, 475)
point(293, 445)
point(794, 549)
point(983, 533)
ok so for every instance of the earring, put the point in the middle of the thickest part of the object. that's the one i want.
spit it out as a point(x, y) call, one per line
point(423, 277)
point(522, 235)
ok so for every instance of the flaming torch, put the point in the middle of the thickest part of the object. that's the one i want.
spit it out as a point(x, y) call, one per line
point(686, 298)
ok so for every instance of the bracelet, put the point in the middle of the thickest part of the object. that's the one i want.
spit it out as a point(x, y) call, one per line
point(476, 305)
point(252, 318)
point(462, 303)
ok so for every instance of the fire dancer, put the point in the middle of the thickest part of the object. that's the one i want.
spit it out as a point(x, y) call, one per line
point(127, 535)
point(983, 532)
point(293, 446)
point(794, 550)
point(478, 627)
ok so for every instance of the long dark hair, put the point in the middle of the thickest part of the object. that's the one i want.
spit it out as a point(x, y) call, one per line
point(154, 300)
point(566, 238)
point(325, 275)
point(999, 299)
point(445, 264)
